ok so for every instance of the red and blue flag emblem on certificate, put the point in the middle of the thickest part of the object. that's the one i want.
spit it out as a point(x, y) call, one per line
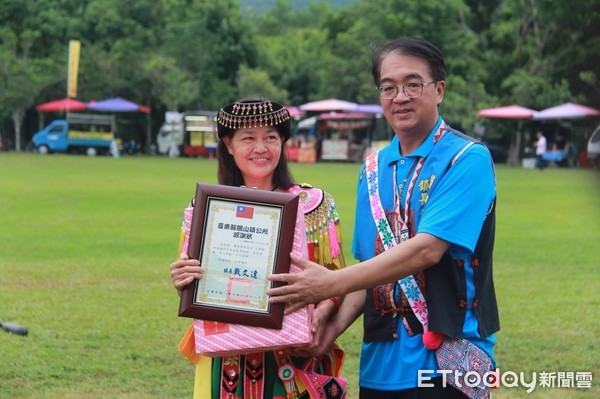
point(242, 211)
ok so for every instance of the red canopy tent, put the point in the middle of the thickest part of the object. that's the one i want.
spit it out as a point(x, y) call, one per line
point(61, 105)
point(507, 112)
point(510, 112)
point(294, 111)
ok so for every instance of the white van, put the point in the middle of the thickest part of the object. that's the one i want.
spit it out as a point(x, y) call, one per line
point(593, 148)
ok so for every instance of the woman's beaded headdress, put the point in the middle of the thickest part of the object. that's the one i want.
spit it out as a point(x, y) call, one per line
point(253, 113)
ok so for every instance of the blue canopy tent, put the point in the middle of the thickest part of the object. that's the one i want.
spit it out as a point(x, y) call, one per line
point(118, 104)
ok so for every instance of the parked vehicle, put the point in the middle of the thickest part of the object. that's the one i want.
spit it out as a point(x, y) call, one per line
point(593, 148)
point(79, 133)
point(193, 133)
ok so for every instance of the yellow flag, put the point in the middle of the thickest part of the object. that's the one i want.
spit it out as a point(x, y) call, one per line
point(74, 50)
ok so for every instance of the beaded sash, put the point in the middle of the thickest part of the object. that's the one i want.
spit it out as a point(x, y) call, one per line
point(409, 284)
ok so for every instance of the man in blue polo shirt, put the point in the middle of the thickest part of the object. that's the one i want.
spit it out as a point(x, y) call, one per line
point(424, 234)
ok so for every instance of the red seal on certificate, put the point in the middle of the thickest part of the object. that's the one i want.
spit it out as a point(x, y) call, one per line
point(214, 327)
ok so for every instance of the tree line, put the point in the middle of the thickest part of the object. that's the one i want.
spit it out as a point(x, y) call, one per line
point(201, 54)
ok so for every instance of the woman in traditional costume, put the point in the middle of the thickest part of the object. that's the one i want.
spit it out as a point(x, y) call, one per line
point(252, 133)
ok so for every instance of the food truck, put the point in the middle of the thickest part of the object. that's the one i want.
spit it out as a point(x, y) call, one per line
point(193, 133)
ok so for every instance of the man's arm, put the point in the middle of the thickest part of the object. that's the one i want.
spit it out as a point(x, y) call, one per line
point(316, 283)
point(350, 309)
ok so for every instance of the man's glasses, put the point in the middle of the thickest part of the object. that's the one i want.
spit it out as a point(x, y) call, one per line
point(410, 90)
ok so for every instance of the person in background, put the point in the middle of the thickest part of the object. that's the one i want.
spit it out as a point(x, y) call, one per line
point(425, 212)
point(541, 145)
point(250, 151)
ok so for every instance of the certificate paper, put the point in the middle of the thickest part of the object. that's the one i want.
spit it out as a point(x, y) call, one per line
point(240, 236)
point(241, 241)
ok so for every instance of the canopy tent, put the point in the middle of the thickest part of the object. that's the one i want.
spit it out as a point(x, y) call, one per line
point(567, 111)
point(510, 112)
point(369, 108)
point(294, 111)
point(330, 104)
point(347, 120)
point(117, 104)
point(507, 112)
point(346, 115)
point(61, 105)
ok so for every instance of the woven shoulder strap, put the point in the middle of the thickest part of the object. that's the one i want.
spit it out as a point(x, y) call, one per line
point(409, 284)
point(411, 289)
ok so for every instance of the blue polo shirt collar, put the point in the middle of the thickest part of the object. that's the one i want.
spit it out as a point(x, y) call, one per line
point(422, 151)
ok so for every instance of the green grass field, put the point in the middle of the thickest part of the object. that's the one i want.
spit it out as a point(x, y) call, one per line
point(85, 245)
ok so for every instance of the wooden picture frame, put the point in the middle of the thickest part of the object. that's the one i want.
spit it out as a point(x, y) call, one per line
point(240, 235)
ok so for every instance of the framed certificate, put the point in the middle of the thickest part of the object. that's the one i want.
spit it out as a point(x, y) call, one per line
point(240, 236)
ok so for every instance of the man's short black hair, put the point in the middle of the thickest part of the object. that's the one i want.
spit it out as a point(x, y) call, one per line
point(413, 46)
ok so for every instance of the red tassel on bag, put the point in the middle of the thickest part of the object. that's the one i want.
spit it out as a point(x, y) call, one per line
point(432, 340)
point(311, 251)
point(334, 245)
